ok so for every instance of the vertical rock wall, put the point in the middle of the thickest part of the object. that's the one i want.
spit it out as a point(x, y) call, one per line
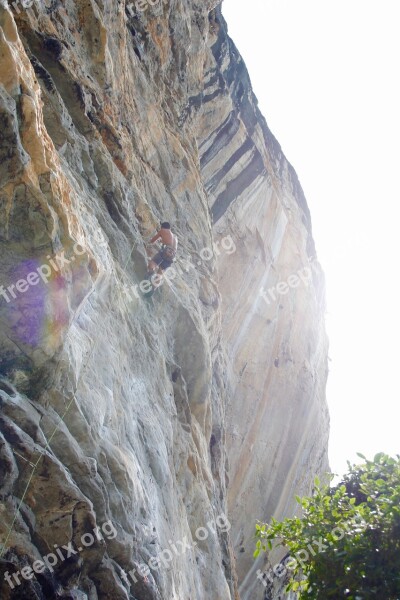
point(273, 305)
point(118, 414)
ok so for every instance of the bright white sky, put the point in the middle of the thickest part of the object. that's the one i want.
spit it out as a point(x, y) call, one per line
point(326, 74)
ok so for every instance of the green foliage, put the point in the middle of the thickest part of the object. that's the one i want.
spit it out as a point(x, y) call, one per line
point(347, 542)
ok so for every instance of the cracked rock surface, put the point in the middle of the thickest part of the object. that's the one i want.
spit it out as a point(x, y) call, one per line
point(142, 438)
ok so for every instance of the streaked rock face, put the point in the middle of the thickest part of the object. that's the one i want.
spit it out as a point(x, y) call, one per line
point(146, 424)
point(272, 292)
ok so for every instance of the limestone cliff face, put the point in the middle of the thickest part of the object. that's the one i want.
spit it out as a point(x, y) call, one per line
point(273, 306)
point(146, 424)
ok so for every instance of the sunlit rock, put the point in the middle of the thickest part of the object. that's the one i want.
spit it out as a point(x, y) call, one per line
point(141, 439)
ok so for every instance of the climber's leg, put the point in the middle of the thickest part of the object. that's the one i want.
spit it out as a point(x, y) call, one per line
point(155, 262)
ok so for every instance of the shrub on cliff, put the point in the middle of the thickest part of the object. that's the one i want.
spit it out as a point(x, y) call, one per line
point(346, 544)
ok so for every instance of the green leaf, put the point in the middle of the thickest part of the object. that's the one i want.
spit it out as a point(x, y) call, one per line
point(295, 586)
point(379, 456)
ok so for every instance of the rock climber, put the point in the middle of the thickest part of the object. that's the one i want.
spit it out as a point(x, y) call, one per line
point(166, 256)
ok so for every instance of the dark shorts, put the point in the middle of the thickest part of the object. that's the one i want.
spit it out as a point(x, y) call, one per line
point(162, 262)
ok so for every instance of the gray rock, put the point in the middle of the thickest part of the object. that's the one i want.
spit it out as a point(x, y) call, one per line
point(131, 429)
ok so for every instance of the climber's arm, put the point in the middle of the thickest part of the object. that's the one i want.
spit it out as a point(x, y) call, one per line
point(155, 238)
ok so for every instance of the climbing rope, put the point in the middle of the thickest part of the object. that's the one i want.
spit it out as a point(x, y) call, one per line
point(35, 465)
